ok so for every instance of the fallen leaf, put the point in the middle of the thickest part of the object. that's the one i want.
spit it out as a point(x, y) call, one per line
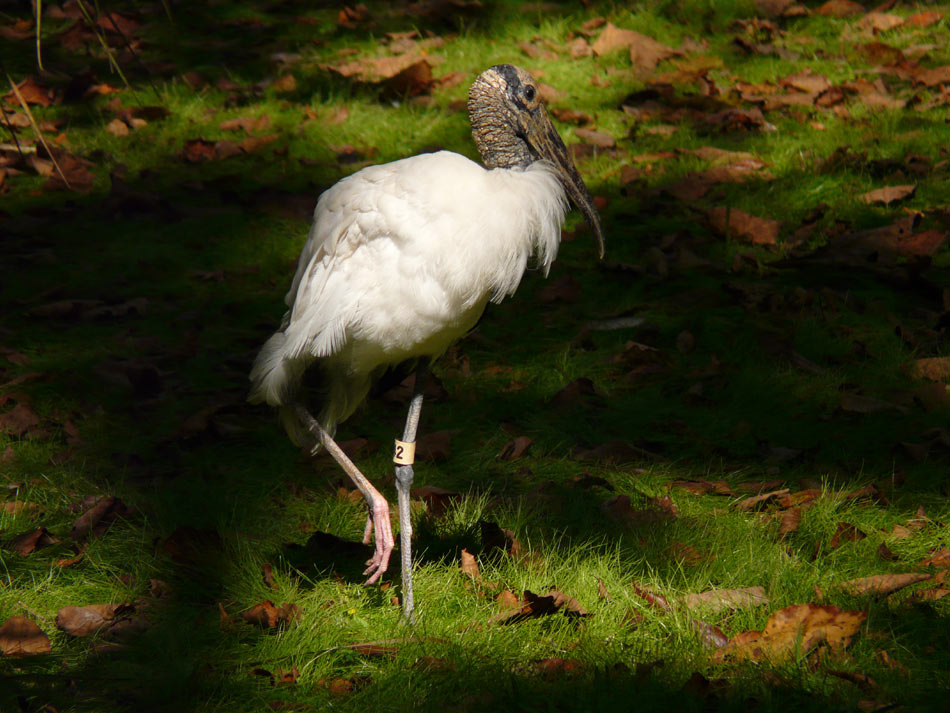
point(882, 584)
point(469, 566)
point(758, 501)
point(515, 448)
point(932, 368)
point(508, 600)
point(645, 52)
point(87, 620)
point(29, 542)
point(889, 194)
point(879, 22)
point(117, 127)
point(268, 616)
point(737, 224)
point(20, 420)
point(434, 447)
point(924, 19)
point(845, 532)
point(494, 537)
point(100, 512)
point(538, 605)
point(939, 559)
point(795, 629)
point(791, 519)
point(437, 500)
point(716, 600)
point(840, 8)
point(33, 92)
point(20, 636)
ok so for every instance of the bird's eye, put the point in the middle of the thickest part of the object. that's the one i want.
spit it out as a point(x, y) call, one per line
point(529, 93)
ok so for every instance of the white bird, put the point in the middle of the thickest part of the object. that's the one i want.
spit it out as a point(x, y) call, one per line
point(401, 261)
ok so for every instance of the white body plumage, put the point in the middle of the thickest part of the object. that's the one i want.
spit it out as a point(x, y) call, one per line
point(400, 262)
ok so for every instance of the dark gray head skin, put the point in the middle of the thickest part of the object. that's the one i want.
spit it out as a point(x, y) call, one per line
point(512, 130)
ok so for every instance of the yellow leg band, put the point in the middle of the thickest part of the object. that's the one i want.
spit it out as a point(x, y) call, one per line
point(405, 453)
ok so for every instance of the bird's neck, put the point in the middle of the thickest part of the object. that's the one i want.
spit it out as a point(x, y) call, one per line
point(499, 147)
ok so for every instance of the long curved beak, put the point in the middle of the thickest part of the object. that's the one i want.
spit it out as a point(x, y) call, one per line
point(544, 140)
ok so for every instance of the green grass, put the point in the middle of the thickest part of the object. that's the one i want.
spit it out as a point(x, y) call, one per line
point(212, 247)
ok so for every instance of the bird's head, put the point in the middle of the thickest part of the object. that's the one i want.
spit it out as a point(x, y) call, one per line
point(511, 129)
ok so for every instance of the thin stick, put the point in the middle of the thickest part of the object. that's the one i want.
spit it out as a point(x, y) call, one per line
point(105, 45)
point(38, 10)
point(36, 129)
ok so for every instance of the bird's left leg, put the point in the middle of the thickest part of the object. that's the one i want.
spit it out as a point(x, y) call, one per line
point(404, 458)
point(378, 507)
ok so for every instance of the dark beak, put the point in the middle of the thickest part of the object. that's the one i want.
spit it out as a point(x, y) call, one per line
point(544, 140)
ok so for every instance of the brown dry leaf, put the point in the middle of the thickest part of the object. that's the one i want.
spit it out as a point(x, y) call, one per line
point(269, 616)
point(807, 82)
point(840, 8)
point(515, 448)
point(925, 244)
point(20, 636)
point(29, 542)
point(924, 19)
point(268, 576)
point(758, 501)
point(791, 519)
point(889, 194)
point(595, 138)
point(101, 511)
point(435, 446)
point(409, 73)
point(33, 92)
point(87, 620)
point(798, 628)
point(876, 22)
point(198, 150)
point(437, 500)
point(20, 420)
point(716, 600)
point(469, 566)
point(495, 537)
point(538, 605)
point(645, 52)
point(702, 487)
point(508, 600)
point(858, 403)
point(933, 368)
point(736, 224)
point(557, 668)
point(655, 600)
point(882, 584)
point(74, 169)
point(247, 124)
point(686, 554)
point(845, 532)
point(939, 559)
point(934, 76)
point(285, 83)
point(117, 127)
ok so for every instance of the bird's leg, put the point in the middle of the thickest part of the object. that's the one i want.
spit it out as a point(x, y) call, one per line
point(378, 507)
point(404, 457)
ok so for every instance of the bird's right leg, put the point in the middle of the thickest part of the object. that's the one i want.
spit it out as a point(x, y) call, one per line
point(378, 507)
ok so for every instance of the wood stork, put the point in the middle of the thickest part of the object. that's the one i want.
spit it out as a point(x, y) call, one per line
point(401, 261)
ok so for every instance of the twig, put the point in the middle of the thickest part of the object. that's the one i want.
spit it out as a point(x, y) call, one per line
point(6, 120)
point(30, 610)
point(105, 45)
point(38, 10)
point(36, 128)
point(128, 46)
